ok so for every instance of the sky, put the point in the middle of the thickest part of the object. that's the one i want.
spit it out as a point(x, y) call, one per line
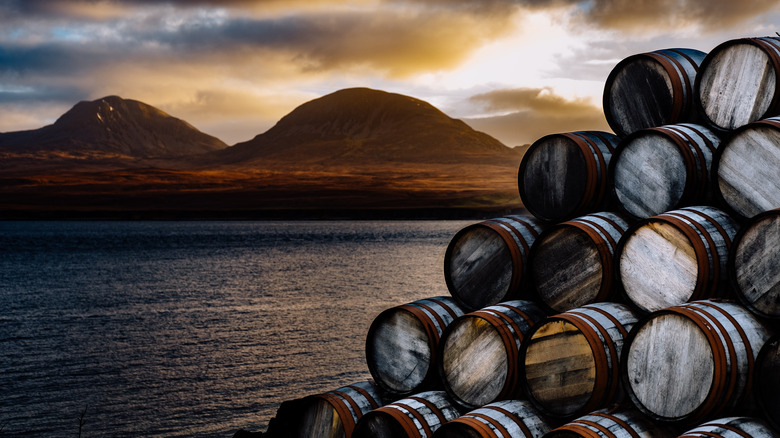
point(515, 69)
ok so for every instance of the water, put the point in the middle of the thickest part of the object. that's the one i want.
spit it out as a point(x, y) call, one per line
point(194, 328)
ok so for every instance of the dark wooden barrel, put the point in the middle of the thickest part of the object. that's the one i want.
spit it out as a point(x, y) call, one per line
point(652, 89)
point(563, 176)
point(656, 170)
point(485, 263)
point(570, 264)
point(501, 419)
point(738, 82)
point(767, 381)
point(479, 352)
point(334, 414)
point(417, 416)
point(402, 344)
point(746, 169)
point(694, 361)
point(675, 257)
point(570, 361)
point(754, 264)
point(732, 427)
point(614, 422)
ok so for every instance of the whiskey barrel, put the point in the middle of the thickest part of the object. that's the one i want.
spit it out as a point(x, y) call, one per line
point(652, 89)
point(767, 383)
point(570, 264)
point(479, 352)
point(334, 414)
point(660, 169)
point(417, 416)
point(502, 419)
point(754, 264)
point(614, 422)
point(570, 361)
point(402, 344)
point(731, 427)
point(694, 361)
point(737, 82)
point(485, 263)
point(675, 257)
point(746, 169)
point(563, 176)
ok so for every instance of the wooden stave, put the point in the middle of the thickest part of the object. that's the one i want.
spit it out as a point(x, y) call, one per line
point(604, 230)
point(730, 202)
point(348, 403)
point(731, 427)
point(681, 66)
point(604, 320)
point(696, 145)
point(703, 313)
point(517, 234)
point(771, 47)
point(434, 314)
point(766, 382)
point(512, 320)
point(501, 419)
point(595, 149)
point(712, 278)
point(615, 422)
point(416, 416)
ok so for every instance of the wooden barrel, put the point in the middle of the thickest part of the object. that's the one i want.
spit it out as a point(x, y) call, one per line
point(570, 361)
point(754, 264)
point(731, 427)
point(652, 89)
point(502, 419)
point(479, 352)
point(675, 257)
point(402, 344)
point(334, 414)
point(485, 263)
point(660, 169)
point(737, 82)
point(767, 383)
point(570, 264)
point(563, 176)
point(746, 169)
point(417, 416)
point(694, 361)
point(613, 422)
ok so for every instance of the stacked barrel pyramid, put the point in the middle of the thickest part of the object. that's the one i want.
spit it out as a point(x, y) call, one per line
point(639, 298)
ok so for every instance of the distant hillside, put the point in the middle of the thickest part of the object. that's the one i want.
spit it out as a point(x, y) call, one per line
point(113, 126)
point(360, 126)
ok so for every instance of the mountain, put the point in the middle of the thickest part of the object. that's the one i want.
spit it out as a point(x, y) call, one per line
point(359, 126)
point(113, 126)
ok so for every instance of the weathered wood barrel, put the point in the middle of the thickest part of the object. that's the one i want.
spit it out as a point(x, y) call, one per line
point(694, 361)
point(652, 89)
point(746, 169)
point(501, 419)
point(479, 352)
point(570, 361)
point(563, 176)
point(334, 414)
point(402, 344)
point(737, 82)
point(656, 170)
point(570, 264)
point(675, 257)
point(614, 422)
point(767, 381)
point(485, 263)
point(417, 416)
point(754, 264)
point(731, 427)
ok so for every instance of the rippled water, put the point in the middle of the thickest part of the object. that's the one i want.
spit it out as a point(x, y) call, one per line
point(194, 328)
